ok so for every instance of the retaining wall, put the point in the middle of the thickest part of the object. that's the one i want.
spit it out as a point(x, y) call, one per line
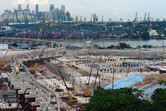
point(65, 75)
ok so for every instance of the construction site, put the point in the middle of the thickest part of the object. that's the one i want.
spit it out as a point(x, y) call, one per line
point(51, 79)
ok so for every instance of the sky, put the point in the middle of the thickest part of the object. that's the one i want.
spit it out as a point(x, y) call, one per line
point(114, 9)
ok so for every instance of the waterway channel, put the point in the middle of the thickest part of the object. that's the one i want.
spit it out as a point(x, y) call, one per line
point(133, 43)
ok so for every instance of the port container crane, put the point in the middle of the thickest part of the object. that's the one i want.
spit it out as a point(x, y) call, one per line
point(71, 99)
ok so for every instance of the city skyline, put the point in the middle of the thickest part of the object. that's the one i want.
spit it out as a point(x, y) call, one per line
point(107, 8)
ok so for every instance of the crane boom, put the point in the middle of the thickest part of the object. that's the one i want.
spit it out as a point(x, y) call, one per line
point(87, 94)
point(40, 32)
point(34, 67)
point(71, 100)
point(2, 63)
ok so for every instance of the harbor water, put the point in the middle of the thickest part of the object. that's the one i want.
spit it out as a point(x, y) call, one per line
point(133, 43)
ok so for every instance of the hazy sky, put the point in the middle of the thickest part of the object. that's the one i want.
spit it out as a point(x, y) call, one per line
point(114, 9)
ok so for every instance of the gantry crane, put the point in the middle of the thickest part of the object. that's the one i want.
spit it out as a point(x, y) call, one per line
point(34, 67)
point(2, 63)
point(71, 99)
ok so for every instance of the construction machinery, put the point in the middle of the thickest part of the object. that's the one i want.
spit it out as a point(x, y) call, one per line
point(96, 79)
point(2, 63)
point(87, 94)
point(16, 70)
point(71, 99)
point(34, 67)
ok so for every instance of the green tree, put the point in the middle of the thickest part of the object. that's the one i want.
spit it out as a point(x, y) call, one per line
point(118, 100)
point(159, 99)
point(145, 36)
point(124, 45)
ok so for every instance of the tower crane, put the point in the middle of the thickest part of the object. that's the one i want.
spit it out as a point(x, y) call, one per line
point(34, 67)
point(71, 99)
point(2, 63)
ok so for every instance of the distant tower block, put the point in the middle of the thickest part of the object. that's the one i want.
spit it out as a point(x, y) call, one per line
point(19, 7)
point(148, 16)
point(63, 8)
point(51, 7)
point(27, 7)
point(135, 20)
point(150, 25)
point(37, 12)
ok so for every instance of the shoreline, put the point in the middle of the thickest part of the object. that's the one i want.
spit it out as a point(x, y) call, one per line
point(100, 40)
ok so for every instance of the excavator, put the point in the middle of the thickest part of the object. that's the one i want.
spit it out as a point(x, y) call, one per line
point(34, 67)
point(2, 63)
point(71, 99)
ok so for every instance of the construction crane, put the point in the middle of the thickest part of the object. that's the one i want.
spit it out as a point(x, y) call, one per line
point(2, 63)
point(71, 99)
point(96, 79)
point(40, 32)
point(34, 67)
point(87, 94)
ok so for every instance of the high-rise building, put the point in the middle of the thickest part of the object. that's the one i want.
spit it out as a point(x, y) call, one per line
point(28, 10)
point(27, 7)
point(19, 7)
point(37, 12)
point(69, 17)
point(63, 8)
point(51, 7)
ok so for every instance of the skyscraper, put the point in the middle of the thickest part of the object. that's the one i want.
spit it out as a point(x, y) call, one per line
point(37, 12)
point(27, 7)
point(28, 10)
point(63, 8)
point(51, 7)
point(19, 7)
